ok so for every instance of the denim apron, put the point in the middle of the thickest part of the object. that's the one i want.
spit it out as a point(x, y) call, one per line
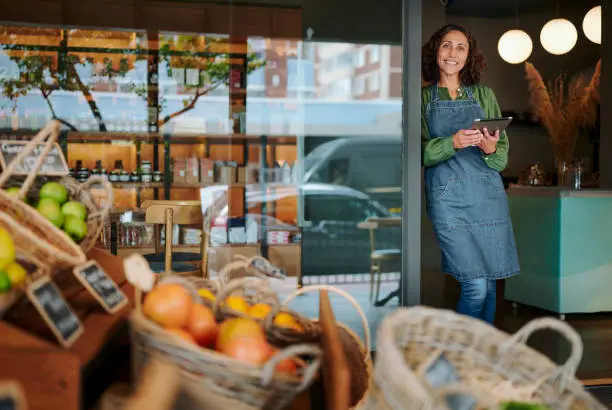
point(466, 200)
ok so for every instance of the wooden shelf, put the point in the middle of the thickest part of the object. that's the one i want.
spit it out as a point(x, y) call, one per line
point(137, 185)
point(108, 137)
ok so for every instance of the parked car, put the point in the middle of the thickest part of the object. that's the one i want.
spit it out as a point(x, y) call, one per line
point(331, 241)
point(369, 164)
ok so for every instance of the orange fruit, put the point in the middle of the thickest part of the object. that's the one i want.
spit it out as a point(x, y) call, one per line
point(259, 310)
point(168, 305)
point(202, 325)
point(243, 339)
point(237, 328)
point(287, 365)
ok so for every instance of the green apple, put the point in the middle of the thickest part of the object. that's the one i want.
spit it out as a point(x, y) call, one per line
point(74, 208)
point(75, 227)
point(55, 191)
point(14, 191)
point(51, 210)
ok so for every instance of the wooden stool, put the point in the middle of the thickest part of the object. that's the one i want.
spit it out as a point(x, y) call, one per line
point(170, 213)
point(380, 258)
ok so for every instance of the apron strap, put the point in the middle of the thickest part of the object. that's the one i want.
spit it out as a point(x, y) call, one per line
point(468, 91)
point(434, 92)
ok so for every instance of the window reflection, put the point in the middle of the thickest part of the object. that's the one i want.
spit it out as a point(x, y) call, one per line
point(83, 78)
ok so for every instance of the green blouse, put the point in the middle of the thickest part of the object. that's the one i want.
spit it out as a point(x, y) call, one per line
point(436, 150)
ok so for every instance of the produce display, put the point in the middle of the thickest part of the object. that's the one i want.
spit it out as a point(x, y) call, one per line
point(55, 205)
point(12, 274)
point(257, 311)
point(171, 306)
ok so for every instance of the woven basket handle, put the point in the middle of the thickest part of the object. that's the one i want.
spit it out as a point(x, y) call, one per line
point(110, 196)
point(225, 272)
point(243, 283)
point(295, 350)
point(51, 131)
point(565, 372)
point(352, 301)
point(484, 400)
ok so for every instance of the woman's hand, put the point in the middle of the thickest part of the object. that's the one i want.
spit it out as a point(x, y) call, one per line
point(488, 145)
point(467, 138)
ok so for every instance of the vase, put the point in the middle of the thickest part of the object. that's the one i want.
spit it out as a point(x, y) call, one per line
point(564, 173)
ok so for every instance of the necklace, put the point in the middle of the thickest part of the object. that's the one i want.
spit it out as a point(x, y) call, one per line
point(459, 90)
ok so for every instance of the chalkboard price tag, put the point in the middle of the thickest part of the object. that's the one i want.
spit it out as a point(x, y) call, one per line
point(11, 396)
point(53, 165)
point(101, 286)
point(54, 309)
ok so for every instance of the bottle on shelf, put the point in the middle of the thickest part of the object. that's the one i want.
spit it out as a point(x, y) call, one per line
point(146, 174)
point(115, 175)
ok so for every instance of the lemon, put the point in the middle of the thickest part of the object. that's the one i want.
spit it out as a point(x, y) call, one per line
point(5, 282)
point(237, 303)
point(7, 249)
point(287, 321)
point(259, 310)
point(206, 294)
point(16, 273)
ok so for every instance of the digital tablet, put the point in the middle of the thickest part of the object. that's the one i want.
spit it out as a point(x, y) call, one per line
point(492, 124)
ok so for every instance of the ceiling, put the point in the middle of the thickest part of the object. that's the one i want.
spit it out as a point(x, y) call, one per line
point(509, 8)
point(474, 8)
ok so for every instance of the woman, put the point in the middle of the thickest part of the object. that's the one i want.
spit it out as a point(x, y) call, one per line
point(466, 201)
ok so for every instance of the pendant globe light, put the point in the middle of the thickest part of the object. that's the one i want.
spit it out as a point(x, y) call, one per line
point(515, 46)
point(558, 36)
point(591, 25)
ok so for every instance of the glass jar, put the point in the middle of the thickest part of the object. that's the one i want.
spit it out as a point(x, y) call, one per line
point(146, 167)
point(124, 176)
point(114, 176)
point(146, 178)
point(157, 176)
point(134, 177)
point(82, 174)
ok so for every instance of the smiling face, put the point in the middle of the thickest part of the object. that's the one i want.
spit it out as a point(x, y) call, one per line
point(453, 53)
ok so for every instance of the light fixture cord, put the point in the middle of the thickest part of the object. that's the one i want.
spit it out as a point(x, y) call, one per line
point(558, 14)
point(516, 13)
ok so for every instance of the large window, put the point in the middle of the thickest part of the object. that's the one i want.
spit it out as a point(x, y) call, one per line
point(84, 78)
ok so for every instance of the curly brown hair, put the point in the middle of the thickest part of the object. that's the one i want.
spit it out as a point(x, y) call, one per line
point(474, 65)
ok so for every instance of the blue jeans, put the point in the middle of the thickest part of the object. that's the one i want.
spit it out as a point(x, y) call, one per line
point(477, 299)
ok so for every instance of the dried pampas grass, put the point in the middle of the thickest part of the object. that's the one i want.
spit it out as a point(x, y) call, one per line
point(563, 112)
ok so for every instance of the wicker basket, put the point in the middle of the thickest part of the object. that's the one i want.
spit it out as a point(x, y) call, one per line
point(357, 353)
point(55, 248)
point(493, 366)
point(211, 380)
point(21, 237)
point(201, 283)
point(253, 290)
point(96, 215)
point(48, 243)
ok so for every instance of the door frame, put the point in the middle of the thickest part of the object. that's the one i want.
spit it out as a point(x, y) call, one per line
point(410, 284)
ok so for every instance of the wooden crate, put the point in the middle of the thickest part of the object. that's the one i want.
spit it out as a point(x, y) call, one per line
point(53, 377)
